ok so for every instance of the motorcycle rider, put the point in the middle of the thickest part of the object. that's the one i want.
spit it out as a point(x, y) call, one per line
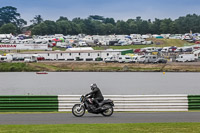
point(95, 94)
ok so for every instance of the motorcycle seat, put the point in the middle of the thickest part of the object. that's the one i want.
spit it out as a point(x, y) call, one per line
point(105, 101)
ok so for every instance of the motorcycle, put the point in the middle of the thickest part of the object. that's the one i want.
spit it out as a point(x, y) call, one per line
point(105, 108)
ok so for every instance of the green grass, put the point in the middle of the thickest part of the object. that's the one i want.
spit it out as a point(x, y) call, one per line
point(57, 48)
point(104, 128)
point(157, 43)
point(14, 67)
point(124, 47)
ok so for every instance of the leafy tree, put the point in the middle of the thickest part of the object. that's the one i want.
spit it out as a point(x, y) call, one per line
point(62, 18)
point(96, 24)
point(8, 14)
point(21, 23)
point(173, 28)
point(64, 27)
point(109, 29)
point(76, 29)
point(89, 26)
point(156, 26)
point(165, 26)
point(8, 28)
point(51, 27)
point(96, 17)
point(37, 20)
point(144, 27)
point(40, 29)
point(133, 27)
point(109, 20)
point(122, 27)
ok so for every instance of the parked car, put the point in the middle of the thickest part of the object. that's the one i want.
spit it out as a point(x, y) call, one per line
point(179, 50)
point(188, 49)
point(172, 49)
point(150, 49)
point(161, 60)
point(40, 58)
point(158, 50)
point(143, 50)
point(137, 51)
point(165, 49)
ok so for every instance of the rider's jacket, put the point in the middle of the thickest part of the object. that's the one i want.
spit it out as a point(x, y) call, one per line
point(96, 93)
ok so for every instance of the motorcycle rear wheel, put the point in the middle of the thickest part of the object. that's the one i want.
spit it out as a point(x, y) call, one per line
point(78, 110)
point(109, 111)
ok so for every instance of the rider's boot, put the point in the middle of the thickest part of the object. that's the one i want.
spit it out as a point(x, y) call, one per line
point(98, 106)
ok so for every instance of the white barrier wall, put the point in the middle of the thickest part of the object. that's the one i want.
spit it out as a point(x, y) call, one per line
point(134, 102)
point(23, 46)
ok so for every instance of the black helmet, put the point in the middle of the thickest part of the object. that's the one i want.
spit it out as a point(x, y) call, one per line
point(93, 86)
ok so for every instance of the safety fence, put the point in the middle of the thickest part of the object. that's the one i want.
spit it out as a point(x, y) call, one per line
point(28, 103)
point(34, 103)
point(134, 102)
point(194, 102)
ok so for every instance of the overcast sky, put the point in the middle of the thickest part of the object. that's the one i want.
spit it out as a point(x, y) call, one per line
point(118, 9)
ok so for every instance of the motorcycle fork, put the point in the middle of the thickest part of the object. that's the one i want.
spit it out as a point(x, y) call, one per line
point(81, 105)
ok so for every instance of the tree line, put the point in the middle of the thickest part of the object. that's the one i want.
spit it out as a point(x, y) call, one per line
point(11, 22)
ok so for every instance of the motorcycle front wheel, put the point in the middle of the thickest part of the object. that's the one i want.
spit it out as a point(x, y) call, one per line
point(78, 110)
point(109, 111)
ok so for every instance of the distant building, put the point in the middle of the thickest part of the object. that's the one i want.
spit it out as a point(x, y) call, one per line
point(75, 55)
point(28, 33)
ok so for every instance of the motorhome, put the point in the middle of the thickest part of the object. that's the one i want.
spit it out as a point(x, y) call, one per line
point(186, 58)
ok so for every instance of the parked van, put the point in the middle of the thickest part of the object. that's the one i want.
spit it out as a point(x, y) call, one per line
point(3, 58)
point(32, 58)
point(125, 59)
point(135, 59)
point(186, 58)
point(6, 58)
point(111, 59)
point(141, 59)
point(150, 58)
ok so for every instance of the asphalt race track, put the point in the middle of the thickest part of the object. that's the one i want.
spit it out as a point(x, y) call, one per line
point(68, 118)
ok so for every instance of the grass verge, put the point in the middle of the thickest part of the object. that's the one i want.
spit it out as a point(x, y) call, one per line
point(104, 128)
point(15, 67)
point(97, 67)
point(156, 43)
